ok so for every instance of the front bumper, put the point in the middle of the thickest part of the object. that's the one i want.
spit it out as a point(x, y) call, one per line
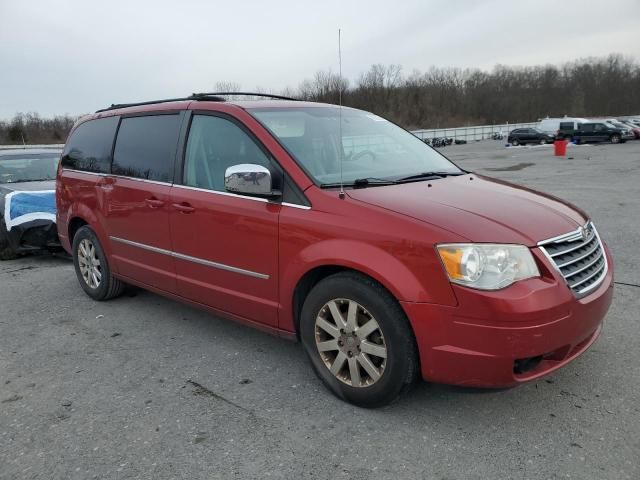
point(34, 235)
point(503, 338)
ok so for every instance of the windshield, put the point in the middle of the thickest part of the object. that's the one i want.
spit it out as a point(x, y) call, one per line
point(28, 167)
point(371, 146)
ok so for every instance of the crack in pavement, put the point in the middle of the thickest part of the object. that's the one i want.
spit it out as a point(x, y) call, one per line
point(202, 390)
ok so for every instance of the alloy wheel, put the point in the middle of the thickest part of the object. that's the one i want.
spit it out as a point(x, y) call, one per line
point(350, 343)
point(89, 264)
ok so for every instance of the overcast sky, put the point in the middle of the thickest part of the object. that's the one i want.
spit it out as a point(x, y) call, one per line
point(77, 56)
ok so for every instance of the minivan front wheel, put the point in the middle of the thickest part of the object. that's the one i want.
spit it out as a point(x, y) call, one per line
point(615, 138)
point(358, 340)
point(92, 268)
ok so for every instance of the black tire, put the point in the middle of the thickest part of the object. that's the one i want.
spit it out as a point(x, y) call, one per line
point(6, 252)
point(615, 138)
point(515, 142)
point(401, 367)
point(109, 286)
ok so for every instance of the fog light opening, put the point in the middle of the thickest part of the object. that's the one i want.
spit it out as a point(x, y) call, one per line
point(524, 365)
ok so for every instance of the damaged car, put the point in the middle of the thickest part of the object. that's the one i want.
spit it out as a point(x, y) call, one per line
point(28, 201)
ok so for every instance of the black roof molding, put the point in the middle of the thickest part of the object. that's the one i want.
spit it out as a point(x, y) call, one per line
point(206, 96)
point(198, 96)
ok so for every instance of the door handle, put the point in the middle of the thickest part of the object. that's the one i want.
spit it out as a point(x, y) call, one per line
point(184, 207)
point(154, 202)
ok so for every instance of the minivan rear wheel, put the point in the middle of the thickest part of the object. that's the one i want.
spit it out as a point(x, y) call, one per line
point(92, 267)
point(358, 340)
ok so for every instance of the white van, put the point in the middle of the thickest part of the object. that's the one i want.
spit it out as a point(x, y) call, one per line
point(552, 125)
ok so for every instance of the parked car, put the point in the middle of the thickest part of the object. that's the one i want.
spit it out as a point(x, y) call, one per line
point(601, 132)
point(627, 129)
point(551, 126)
point(635, 129)
point(386, 260)
point(523, 136)
point(27, 201)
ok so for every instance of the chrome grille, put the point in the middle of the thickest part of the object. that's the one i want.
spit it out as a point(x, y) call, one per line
point(579, 257)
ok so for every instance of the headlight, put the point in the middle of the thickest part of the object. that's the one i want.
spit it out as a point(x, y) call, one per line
point(487, 266)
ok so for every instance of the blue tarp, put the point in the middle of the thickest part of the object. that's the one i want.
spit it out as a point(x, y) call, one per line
point(21, 207)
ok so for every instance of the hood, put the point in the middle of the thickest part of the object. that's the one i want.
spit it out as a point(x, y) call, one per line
point(28, 186)
point(481, 209)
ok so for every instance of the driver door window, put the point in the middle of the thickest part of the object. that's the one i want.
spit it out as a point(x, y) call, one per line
point(214, 145)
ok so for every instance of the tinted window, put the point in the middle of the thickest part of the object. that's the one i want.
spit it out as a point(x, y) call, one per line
point(566, 125)
point(89, 146)
point(146, 147)
point(599, 127)
point(214, 145)
point(587, 127)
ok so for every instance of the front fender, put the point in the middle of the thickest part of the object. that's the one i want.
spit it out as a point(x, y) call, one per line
point(390, 270)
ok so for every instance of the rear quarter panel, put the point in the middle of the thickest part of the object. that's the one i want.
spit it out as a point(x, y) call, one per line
point(79, 196)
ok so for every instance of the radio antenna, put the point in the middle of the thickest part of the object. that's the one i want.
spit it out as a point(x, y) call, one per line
point(340, 143)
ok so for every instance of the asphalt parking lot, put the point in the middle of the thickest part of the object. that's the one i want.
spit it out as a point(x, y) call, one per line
point(144, 387)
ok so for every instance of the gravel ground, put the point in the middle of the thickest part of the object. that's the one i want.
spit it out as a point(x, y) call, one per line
point(144, 387)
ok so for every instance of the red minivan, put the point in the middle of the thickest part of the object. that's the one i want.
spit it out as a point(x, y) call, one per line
point(336, 227)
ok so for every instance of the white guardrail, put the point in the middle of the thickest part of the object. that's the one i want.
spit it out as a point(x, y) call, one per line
point(478, 132)
point(21, 147)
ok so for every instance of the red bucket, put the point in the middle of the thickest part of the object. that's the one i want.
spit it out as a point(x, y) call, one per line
point(560, 148)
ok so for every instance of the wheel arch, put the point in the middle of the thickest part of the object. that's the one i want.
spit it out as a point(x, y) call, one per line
point(320, 261)
point(74, 225)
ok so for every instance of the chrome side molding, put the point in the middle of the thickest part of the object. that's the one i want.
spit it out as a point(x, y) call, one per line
point(189, 258)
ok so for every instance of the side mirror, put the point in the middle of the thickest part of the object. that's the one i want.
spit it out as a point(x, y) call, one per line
point(249, 179)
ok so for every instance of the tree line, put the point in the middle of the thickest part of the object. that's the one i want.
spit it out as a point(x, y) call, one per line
point(453, 97)
point(31, 129)
point(439, 97)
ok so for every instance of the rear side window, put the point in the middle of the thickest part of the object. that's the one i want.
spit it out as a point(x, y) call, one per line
point(146, 147)
point(587, 127)
point(89, 146)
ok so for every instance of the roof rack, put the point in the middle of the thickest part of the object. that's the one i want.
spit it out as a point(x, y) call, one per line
point(210, 97)
point(198, 96)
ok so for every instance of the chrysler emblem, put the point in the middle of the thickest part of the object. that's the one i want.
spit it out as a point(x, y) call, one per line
point(584, 231)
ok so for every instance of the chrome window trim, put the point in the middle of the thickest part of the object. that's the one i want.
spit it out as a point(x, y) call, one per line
point(576, 234)
point(97, 174)
point(189, 258)
point(218, 192)
point(295, 205)
point(197, 189)
point(123, 177)
point(135, 179)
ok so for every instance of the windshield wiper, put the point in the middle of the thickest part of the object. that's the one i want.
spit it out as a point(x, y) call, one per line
point(428, 176)
point(362, 182)
point(369, 181)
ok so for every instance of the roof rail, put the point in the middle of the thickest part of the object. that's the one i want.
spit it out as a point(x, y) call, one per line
point(199, 96)
point(210, 97)
point(115, 106)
